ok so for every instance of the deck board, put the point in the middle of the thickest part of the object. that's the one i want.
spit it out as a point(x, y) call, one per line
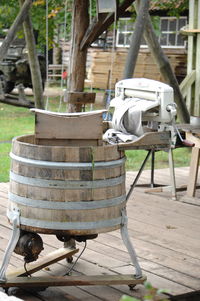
point(165, 234)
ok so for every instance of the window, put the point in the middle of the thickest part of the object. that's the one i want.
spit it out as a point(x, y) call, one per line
point(170, 36)
point(124, 32)
point(169, 32)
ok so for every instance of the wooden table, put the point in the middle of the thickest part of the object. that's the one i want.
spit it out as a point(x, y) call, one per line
point(161, 140)
point(193, 136)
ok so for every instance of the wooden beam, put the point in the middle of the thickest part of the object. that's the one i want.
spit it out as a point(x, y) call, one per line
point(43, 262)
point(72, 281)
point(33, 61)
point(81, 97)
point(194, 164)
point(136, 39)
point(150, 140)
point(187, 83)
point(190, 53)
point(189, 32)
point(165, 68)
point(77, 67)
point(14, 28)
point(193, 174)
point(100, 24)
point(92, 31)
point(197, 64)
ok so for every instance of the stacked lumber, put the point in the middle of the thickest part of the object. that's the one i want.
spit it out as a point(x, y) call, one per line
point(102, 63)
point(107, 66)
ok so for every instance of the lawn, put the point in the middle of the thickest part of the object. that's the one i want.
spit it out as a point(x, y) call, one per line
point(16, 121)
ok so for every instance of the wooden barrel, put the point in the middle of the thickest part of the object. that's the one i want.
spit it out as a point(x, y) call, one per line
point(67, 190)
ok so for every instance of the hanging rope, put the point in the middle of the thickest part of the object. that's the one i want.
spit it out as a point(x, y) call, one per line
point(90, 15)
point(62, 69)
point(90, 11)
point(113, 50)
point(109, 91)
point(47, 53)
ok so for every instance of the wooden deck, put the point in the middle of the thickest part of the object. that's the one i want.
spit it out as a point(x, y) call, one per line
point(165, 234)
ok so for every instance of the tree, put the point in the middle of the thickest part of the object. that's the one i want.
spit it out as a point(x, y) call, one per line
point(56, 15)
point(33, 60)
point(38, 16)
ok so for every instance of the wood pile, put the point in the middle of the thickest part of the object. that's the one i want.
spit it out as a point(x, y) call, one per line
point(107, 66)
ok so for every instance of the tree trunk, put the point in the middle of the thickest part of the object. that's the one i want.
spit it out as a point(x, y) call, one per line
point(165, 68)
point(80, 19)
point(14, 28)
point(33, 62)
point(136, 39)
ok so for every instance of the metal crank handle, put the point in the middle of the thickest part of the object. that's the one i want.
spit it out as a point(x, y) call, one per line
point(171, 108)
point(188, 143)
point(184, 141)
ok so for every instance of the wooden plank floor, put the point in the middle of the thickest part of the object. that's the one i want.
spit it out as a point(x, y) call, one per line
point(165, 234)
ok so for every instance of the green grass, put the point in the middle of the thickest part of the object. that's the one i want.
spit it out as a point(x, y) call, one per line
point(4, 161)
point(135, 158)
point(16, 121)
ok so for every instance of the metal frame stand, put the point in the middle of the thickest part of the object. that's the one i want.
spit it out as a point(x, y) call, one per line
point(172, 174)
point(138, 175)
point(15, 218)
point(156, 187)
point(129, 246)
point(18, 277)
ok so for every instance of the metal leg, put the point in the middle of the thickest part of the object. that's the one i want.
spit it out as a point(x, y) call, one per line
point(172, 173)
point(128, 244)
point(70, 244)
point(138, 175)
point(11, 245)
point(152, 167)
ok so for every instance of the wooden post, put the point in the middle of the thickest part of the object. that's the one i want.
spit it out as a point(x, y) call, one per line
point(197, 64)
point(14, 28)
point(190, 55)
point(77, 68)
point(136, 39)
point(33, 62)
point(191, 83)
point(164, 67)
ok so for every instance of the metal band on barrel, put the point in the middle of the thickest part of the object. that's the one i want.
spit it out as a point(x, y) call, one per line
point(69, 165)
point(58, 184)
point(54, 205)
point(69, 225)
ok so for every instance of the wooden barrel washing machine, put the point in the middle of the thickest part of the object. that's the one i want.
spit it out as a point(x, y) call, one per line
point(68, 183)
